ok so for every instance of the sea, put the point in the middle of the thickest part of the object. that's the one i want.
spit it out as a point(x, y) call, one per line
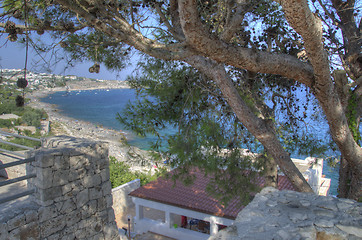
point(100, 107)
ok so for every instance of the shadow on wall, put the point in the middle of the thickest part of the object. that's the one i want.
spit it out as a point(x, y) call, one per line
point(122, 203)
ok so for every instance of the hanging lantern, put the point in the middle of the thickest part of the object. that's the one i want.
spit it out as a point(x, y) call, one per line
point(20, 101)
point(22, 83)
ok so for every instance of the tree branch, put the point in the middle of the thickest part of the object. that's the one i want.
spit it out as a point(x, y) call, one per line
point(168, 25)
point(122, 31)
point(251, 59)
point(234, 25)
point(258, 127)
point(46, 28)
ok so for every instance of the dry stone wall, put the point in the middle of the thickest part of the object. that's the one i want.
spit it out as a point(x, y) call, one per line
point(284, 215)
point(73, 198)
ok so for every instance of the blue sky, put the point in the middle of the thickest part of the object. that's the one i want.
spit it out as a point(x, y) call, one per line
point(12, 55)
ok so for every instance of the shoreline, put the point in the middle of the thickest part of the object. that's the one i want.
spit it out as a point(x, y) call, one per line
point(83, 129)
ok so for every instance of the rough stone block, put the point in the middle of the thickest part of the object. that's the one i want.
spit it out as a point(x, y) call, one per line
point(46, 213)
point(74, 175)
point(60, 178)
point(81, 233)
point(44, 178)
point(92, 207)
point(66, 188)
point(43, 203)
point(111, 231)
point(82, 197)
point(91, 180)
point(73, 218)
point(111, 215)
point(84, 223)
point(323, 223)
point(44, 161)
point(78, 162)
point(68, 206)
point(102, 204)
point(31, 216)
point(95, 193)
point(102, 216)
point(109, 200)
point(104, 163)
point(61, 162)
point(28, 231)
point(353, 230)
point(107, 188)
point(98, 236)
point(50, 193)
point(52, 226)
point(4, 234)
point(105, 175)
point(16, 222)
point(85, 212)
point(55, 236)
point(70, 236)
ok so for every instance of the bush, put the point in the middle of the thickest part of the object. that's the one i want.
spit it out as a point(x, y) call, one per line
point(32, 117)
point(120, 173)
point(5, 123)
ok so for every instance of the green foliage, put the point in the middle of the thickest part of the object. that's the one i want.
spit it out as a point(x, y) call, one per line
point(97, 47)
point(203, 130)
point(208, 134)
point(120, 173)
point(32, 117)
point(5, 123)
point(22, 141)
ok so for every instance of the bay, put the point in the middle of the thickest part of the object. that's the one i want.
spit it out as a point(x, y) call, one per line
point(100, 107)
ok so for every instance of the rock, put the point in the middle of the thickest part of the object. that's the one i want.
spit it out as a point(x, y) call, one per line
point(353, 230)
point(298, 216)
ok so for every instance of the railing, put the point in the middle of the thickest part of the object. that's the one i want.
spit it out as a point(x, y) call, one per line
point(24, 160)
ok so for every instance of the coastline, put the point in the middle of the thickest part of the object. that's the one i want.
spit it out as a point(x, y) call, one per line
point(82, 129)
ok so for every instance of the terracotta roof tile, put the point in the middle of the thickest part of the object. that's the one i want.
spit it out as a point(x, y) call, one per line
point(195, 197)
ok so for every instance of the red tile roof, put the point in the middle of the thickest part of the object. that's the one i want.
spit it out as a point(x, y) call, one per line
point(195, 197)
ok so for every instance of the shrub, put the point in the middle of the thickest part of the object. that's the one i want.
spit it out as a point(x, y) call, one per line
point(120, 173)
point(32, 117)
point(5, 123)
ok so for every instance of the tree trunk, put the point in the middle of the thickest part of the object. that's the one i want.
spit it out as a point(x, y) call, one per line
point(270, 172)
point(349, 182)
point(260, 128)
point(344, 179)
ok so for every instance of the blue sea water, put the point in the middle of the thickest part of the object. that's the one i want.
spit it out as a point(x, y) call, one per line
point(100, 107)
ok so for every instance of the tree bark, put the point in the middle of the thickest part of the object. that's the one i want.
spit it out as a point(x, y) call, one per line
point(260, 128)
point(309, 27)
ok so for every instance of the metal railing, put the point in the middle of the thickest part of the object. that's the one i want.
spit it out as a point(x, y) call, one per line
point(23, 160)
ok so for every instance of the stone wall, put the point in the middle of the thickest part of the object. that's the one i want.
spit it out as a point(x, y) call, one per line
point(122, 203)
point(73, 198)
point(291, 215)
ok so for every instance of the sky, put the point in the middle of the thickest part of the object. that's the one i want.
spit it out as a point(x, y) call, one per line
point(12, 56)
